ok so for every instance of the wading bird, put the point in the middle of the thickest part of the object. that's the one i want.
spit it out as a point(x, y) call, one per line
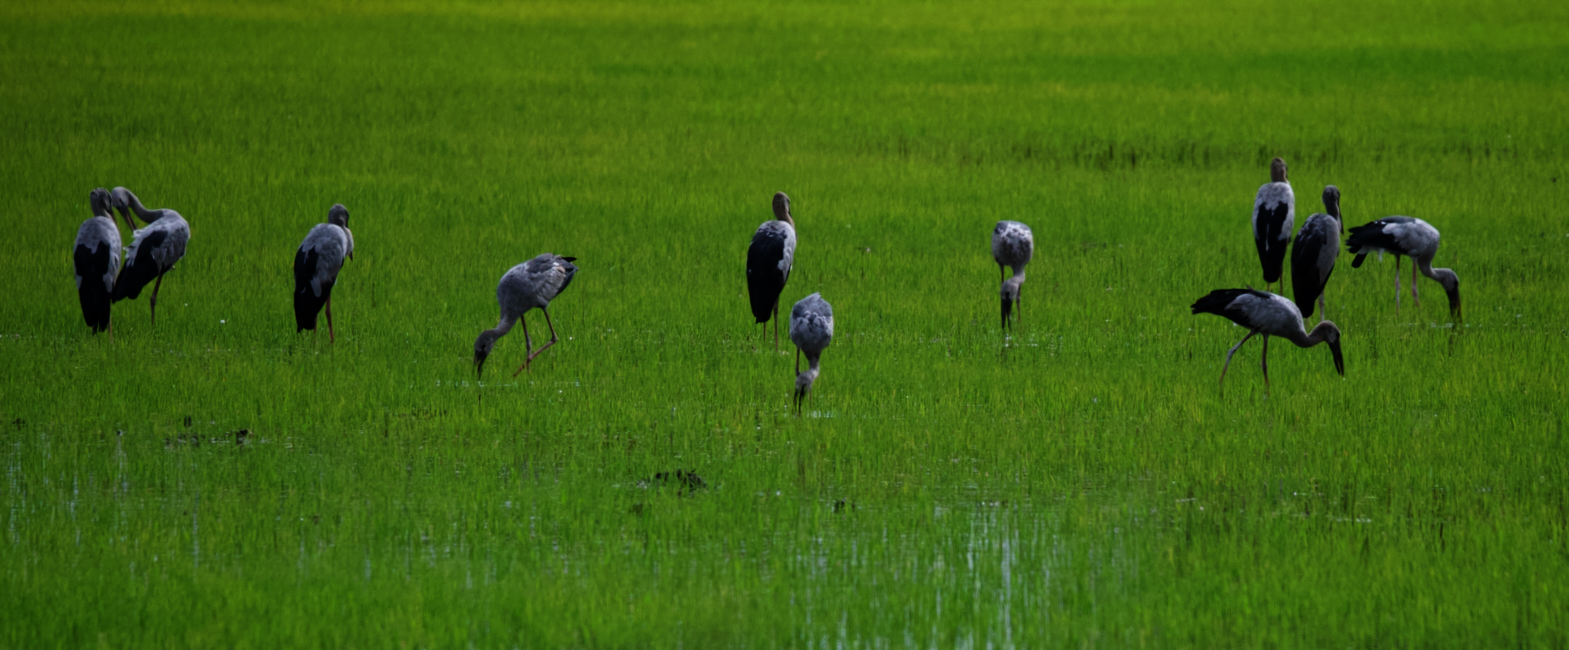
point(1313, 256)
point(1270, 315)
point(1012, 245)
point(528, 285)
point(1274, 209)
point(811, 329)
point(97, 259)
point(768, 263)
point(316, 267)
point(154, 249)
point(1412, 238)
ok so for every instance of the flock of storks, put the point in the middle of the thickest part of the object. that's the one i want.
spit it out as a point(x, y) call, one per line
point(1312, 262)
point(533, 284)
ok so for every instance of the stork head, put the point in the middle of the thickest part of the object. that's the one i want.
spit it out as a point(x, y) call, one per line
point(482, 347)
point(1277, 170)
point(1332, 201)
point(782, 208)
point(100, 201)
point(1451, 284)
point(1330, 333)
point(803, 386)
point(121, 198)
point(339, 216)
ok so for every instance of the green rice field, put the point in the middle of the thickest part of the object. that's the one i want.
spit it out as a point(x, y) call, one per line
point(1083, 484)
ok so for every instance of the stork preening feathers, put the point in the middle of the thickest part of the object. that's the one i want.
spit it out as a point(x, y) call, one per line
point(1412, 238)
point(154, 249)
point(96, 256)
point(1270, 315)
point(1013, 244)
point(768, 263)
point(316, 266)
point(528, 285)
point(1274, 209)
point(1314, 254)
point(811, 329)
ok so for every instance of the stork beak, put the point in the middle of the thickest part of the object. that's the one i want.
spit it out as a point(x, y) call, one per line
point(479, 365)
point(1455, 310)
point(799, 395)
point(1340, 361)
point(1007, 310)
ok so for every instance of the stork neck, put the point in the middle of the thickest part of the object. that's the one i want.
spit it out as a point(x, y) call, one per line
point(1305, 339)
point(1425, 265)
point(147, 216)
point(504, 326)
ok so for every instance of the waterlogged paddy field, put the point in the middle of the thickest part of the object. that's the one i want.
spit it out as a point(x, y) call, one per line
point(1086, 485)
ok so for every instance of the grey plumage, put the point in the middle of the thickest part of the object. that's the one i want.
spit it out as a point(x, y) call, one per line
point(316, 266)
point(96, 260)
point(1274, 211)
point(1013, 244)
point(1314, 254)
point(1410, 237)
point(154, 250)
point(811, 329)
point(1271, 315)
point(769, 260)
point(526, 286)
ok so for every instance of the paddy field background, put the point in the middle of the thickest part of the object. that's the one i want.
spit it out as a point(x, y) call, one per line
point(1085, 484)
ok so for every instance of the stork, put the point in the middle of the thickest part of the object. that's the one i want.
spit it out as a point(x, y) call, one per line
point(154, 249)
point(1313, 256)
point(1274, 209)
point(528, 285)
point(811, 329)
point(1412, 238)
point(97, 260)
point(768, 263)
point(1270, 315)
point(316, 267)
point(1013, 244)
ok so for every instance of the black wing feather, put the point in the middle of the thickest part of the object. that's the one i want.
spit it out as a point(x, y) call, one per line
point(764, 280)
point(1271, 255)
point(306, 303)
point(1371, 235)
point(92, 267)
point(1306, 285)
point(140, 271)
point(1219, 301)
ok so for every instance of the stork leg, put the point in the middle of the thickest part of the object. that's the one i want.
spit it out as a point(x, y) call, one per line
point(1321, 309)
point(1228, 359)
point(152, 303)
point(1264, 363)
point(528, 346)
point(331, 337)
point(776, 325)
point(798, 361)
point(1414, 300)
point(1397, 285)
point(547, 345)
